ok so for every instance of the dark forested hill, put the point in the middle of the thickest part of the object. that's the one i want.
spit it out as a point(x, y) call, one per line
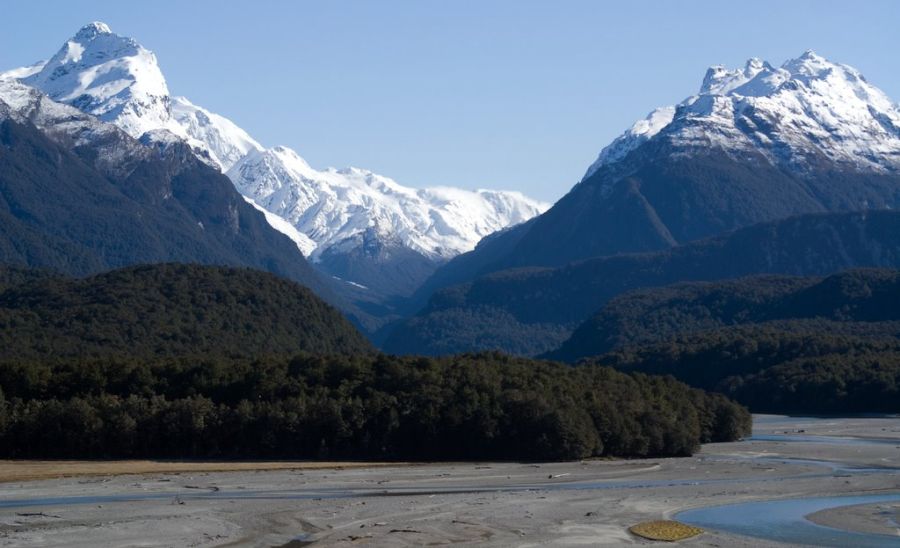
point(655, 315)
point(168, 310)
point(782, 367)
point(786, 345)
point(178, 360)
point(533, 310)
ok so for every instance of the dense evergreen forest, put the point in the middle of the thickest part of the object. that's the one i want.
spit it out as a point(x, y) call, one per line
point(198, 361)
point(785, 367)
point(862, 382)
point(776, 344)
point(484, 406)
point(853, 302)
point(167, 310)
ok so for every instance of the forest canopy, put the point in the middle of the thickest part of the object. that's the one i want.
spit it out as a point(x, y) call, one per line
point(775, 368)
point(483, 406)
point(167, 310)
point(184, 361)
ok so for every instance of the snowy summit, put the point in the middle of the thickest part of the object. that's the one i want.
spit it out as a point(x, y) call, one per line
point(119, 81)
point(808, 108)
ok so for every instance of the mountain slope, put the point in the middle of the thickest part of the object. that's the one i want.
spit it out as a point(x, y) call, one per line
point(754, 145)
point(655, 315)
point(81, 196)
point(392, 236)
point(533, 310)
point(170, 310)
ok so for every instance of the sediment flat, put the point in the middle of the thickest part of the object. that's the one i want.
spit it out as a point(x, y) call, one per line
point(24, 470)
point(495, 504)
point(882, 519)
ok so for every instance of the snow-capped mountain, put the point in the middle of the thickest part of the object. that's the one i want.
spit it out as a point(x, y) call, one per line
point(794, 170)
point(96, 71)
point(81, 195)
point(335, 208)
point(336, 211)
point(115, 153)
point(119, 81)
point(807, 110)
point(754, 145)
point(109, 76)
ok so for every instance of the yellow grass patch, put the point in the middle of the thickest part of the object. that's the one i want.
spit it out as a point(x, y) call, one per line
point(666, 530)
point(25, 470)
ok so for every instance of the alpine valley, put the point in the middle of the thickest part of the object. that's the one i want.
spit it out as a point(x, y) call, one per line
point(207, 341)
point(789, 170)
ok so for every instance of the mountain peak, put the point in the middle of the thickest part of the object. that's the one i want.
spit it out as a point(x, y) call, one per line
point(754, 63)
point(807, 110)
point(91, 31)
point(811, 66)
point(119, 81)
point(109, 76)
point(811, 55)
point(719, 80)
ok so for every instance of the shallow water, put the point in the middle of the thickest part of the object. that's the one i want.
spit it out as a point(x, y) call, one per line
point(785, 521)
point(344, 493)
point(835, 440)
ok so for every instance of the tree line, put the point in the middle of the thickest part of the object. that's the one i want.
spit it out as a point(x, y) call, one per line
point(479, 406)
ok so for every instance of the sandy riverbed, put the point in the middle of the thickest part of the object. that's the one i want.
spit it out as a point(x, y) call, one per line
point(17, 471)
point(883, 519)
point(499, 504)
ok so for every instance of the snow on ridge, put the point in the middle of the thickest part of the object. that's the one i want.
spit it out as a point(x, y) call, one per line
point(636, 135)
point(118, 80)
point(23, 72)
point(808, 107)
point(226, 142)
point(58, 120)
point(335, 208)
point(303, 242)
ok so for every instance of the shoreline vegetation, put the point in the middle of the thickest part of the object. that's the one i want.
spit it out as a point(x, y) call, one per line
point(485, 406)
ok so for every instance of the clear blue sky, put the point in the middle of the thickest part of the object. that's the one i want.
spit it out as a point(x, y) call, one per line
point(513, 95)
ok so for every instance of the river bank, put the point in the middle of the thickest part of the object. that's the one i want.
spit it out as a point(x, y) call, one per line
point(499, 504)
